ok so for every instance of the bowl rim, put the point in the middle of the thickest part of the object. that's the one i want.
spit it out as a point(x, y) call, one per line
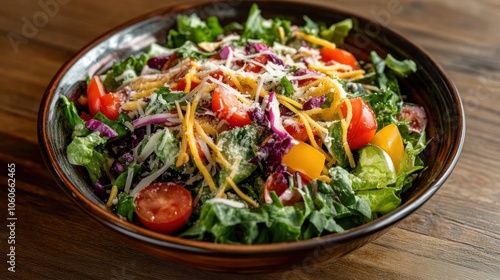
point(124, 227)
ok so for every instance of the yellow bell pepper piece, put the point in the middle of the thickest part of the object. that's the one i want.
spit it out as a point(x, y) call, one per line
point(305, 159)
point(389, 139)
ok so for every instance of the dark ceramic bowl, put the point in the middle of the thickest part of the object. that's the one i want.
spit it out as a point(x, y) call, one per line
point(429, 87)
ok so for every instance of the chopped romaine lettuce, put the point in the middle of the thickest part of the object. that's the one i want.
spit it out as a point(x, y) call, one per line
point(69, 112)
point(335, 144)
point(125, 206)
point(238, 144)
point(337, 32)
point(82, 151)
point(270, 31)
point(192, 28)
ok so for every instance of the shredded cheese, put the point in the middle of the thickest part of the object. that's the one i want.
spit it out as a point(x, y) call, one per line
point(306, 125)
point(222, 188)
point(189, 134)
point(112, 195)
point(189, 76)
point(289, 101)
point(241, 194)
point(315, 40)
point(218, 155)
point(133, 105)
point(345, 122)
point(183, 156)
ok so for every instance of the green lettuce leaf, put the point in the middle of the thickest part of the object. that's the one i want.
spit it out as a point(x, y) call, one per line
point(401, 68)
point(374, 168)
point(70, 113)
point(82, 152)
point(337, 32)
point(164, 101)
point(125, 206)
point(335, 144)
point(192, 28)
point(381, 201)
point(226, 224)
point(257, 27)
point(167, 147)
point(342, 186)
point(238, 144)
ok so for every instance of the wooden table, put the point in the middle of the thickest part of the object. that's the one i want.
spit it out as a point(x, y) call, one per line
point(456, 235)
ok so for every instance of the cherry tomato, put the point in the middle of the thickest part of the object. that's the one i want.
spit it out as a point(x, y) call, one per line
point(297, 130)
point(256, 67)
point(415, 116)
point(218, 75)
point(278, 183)
point(169, 62)
point(95, 90)
point(163, 207)
point(227, 107)
point(84, 116)
point(181, 85)
point(363, 123)
point(389, 139)
point(338, 55)
point(304, 82)
point(110, 105)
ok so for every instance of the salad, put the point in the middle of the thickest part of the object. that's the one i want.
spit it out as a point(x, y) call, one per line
point(256, 132)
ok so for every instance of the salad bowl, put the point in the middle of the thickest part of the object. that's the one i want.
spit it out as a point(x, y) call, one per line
point(429, 87)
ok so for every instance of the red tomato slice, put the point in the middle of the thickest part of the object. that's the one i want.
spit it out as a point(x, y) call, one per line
point(227, 107)
point(95, 90)
point(297, 130)
point(163, 207)
point(110, 105)
point(277, 183)
point(84, 116)
point(181, 85)
point(256, 67)
point(415, 116)
point(363, 123)
point(338, 55)
point(218, 75)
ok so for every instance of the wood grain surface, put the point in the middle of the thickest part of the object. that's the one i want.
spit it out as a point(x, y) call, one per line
point(455, 235)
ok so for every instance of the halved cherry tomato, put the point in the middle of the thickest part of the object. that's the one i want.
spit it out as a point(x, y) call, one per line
point(304, 82)
point(218, 75)
point(163, 207)
point(256, 67)
point(227, 107)
point(363, 123)
point(181, 85)
point(415, 116)
point(110, 105)
point(95, 90)
point(305, 159)
point(338, 55)
point(278, 183)
point(84, 116)
point(169, 62)
point(297, 130)
point(389, 139)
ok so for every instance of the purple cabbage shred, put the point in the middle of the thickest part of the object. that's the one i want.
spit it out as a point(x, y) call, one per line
point(157, 62)
point(103, 129)
point(314, 102)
